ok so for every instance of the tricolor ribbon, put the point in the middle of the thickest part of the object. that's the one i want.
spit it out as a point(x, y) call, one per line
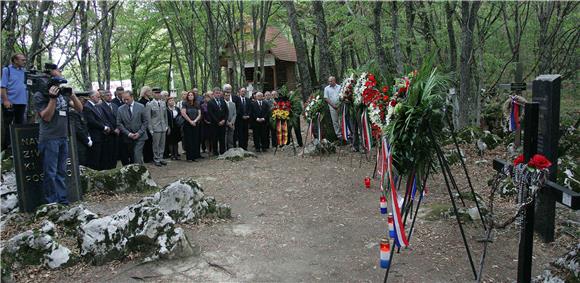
point(282, 131)
point(514, 116)
point(366, 131)
point(344, 124)
point(401, 237)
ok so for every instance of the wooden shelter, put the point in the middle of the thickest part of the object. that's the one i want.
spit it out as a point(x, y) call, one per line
point(280, 60)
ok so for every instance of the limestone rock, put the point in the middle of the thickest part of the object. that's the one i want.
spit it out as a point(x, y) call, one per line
point(143, 226)
point(130, 178)
point(214, 209)
point(319, 147)
point(183, 200)
point(236, 154)
point(59, 214)
point(8, 193)
point(35, 247)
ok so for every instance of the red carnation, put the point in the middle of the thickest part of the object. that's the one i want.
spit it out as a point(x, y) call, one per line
point(519, 160)
point(540, 162)
point(371, 77)
point(385, 89)
point(385, 98)
point(393, 103)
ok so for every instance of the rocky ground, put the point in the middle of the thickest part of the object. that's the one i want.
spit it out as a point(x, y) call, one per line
point(310, 219)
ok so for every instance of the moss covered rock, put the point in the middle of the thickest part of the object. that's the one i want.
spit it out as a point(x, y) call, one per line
point(35, 247)
point(141, 227)
point(236, 154)
point(130, 178)
point(319, 148)
point(8, 193)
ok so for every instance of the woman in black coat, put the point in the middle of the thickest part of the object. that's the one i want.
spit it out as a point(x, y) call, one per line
point(174, 133)
point(192, 115)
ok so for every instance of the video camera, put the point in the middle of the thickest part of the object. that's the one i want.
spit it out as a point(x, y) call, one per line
point(42, 82)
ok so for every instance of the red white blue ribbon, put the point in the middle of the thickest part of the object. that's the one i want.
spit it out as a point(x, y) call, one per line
point(344, 125)
point(401, 237)
point(318, 127)
point(366, 131)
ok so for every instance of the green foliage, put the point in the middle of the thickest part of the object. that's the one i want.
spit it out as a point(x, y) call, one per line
point(415, 117)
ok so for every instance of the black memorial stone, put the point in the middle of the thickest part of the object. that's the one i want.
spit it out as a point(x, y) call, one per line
point(28, 167)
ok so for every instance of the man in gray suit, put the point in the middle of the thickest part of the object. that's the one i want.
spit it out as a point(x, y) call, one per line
point(133, 122)
point(231, 121)
point(157, 115)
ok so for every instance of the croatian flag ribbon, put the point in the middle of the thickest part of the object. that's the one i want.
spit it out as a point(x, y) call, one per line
point(366, 131)
point(401, 237)
point(344, 124)
point(514, 124)
point(318, 127)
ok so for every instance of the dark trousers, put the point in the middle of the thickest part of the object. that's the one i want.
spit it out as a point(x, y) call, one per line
point(16, 115)
point(297, 133)
point(54, 153)
point(191, 141)
point(260, 131)
point(218, 136)
point(95, 155)
point(270, 135)
point(109, 152)
point(243, 134)
point(123, 152)
point(148, 149)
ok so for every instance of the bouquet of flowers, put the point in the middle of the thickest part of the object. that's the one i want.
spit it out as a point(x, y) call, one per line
point(347, 90)
point(281, 110)
point(314, 107)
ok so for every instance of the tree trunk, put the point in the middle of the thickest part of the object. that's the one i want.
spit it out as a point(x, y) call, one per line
point(325, 63)
point(376, 28)
point(467, 97)
point(9, 25)
point(301, 50)
point(213, 29)
point(411, 41)
point(84, 42)
point(398, 57)
point(37, 25)
point(450, 11)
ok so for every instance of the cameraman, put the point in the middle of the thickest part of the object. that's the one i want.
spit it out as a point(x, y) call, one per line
point(52, 109)
point(13, 95)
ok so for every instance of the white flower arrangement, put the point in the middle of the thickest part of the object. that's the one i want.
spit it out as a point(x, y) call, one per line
point(359, 88)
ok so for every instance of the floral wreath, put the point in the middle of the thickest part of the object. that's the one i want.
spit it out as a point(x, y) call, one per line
point(314, 107)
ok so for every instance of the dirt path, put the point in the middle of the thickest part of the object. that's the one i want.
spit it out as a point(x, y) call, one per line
point(307, 219)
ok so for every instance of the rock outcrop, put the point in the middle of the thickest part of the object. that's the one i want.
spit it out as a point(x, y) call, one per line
point(130, 178)
point(236, 154)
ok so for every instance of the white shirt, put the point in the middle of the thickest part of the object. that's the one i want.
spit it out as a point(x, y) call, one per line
point(332, 93)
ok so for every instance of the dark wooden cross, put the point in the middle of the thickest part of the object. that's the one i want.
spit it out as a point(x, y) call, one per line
point(541, 136)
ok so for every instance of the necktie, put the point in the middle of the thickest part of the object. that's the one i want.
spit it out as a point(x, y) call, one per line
point(130, 111)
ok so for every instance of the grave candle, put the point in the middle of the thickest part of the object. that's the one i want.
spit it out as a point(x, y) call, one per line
point(367, 182)
point(383, 202)
point(391, 226)
point(385, 250)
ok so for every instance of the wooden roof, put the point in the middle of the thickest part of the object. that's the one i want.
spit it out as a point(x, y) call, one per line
point(281, 48)
point(278, 45)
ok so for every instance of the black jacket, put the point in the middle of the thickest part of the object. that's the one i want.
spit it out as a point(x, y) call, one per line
point(217, 112)
point(110, 114)
point(96, 121)
point(260, 112)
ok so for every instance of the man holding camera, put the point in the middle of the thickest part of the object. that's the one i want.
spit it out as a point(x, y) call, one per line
point(52, 108)
point(13, 95)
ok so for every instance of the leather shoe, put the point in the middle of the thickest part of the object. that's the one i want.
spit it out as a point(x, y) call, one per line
point(158, 164)
point(163, 162)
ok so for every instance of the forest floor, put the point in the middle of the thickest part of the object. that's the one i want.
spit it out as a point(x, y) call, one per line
point(311, 219)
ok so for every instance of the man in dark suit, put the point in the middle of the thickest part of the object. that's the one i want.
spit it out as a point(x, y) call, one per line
point(260, 117)
point(110, 144)
point(217, 110)
point(118, 100)
point(244, 112)
point(132, 122)
point(98, 128)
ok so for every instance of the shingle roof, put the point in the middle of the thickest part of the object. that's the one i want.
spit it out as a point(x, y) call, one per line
point(281, 48)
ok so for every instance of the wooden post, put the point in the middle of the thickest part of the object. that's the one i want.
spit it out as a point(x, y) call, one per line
point(518, 79)
point(275, 77)
point(546, 91)
point(526, 245)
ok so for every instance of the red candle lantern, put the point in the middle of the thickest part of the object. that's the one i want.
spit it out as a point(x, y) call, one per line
point(367, 182)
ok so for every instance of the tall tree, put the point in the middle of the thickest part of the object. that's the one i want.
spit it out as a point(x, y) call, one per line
point(301, 49)
point(452, 55)
point(325, 63)
point(214, 46)
point(377, 33)
point(397, 54)
point(467, 97)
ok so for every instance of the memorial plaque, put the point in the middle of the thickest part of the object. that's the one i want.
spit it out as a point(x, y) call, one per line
point(546, 91)
point(518, 86)
point(28, 167)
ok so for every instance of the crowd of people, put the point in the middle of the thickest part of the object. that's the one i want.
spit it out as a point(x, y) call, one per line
point(115, 127)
